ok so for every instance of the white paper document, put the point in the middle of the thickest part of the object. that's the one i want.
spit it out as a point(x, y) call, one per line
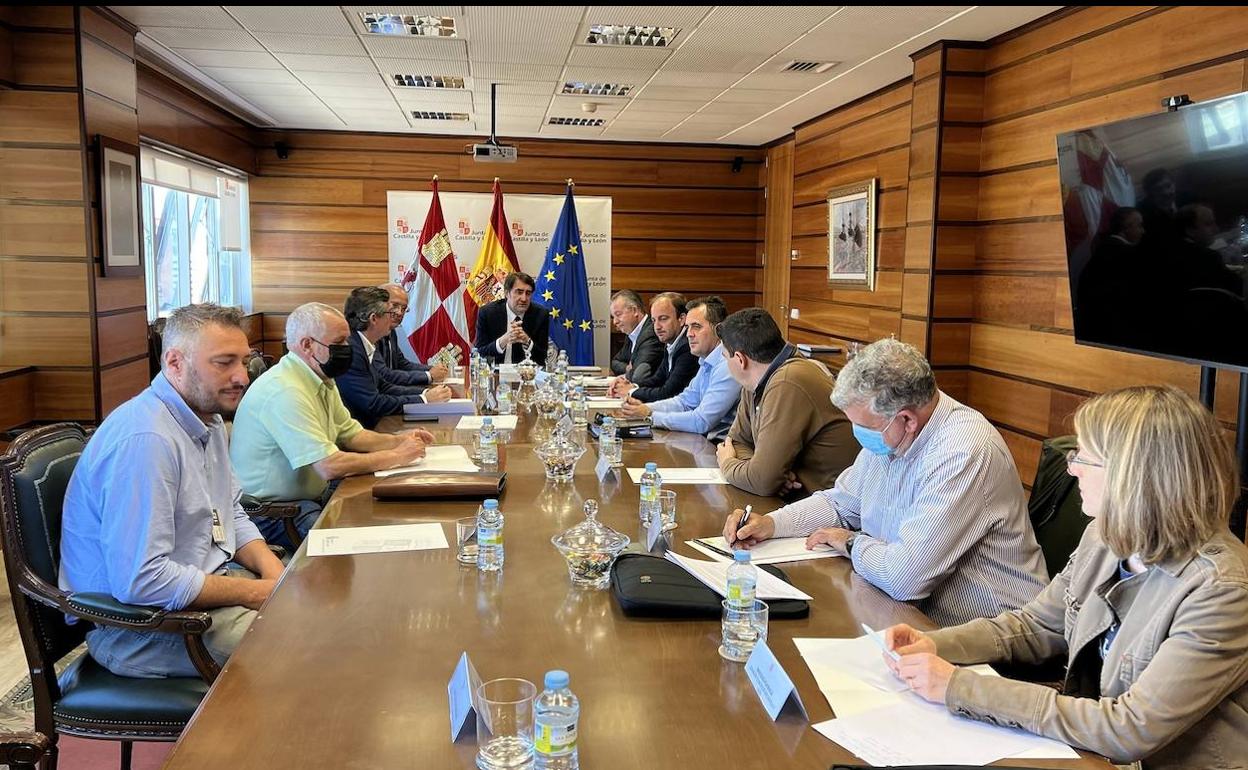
point(450, 381)
point(395, 537)
point(777, 551)
point(473, 422)
point(601, 404)
point(715, 575)
point(451, 457)
point(596, 382)
point(585, 369)
point(854, 696)
point(682, 475)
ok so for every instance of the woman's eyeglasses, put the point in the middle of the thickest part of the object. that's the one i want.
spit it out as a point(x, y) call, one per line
point(1073, 458)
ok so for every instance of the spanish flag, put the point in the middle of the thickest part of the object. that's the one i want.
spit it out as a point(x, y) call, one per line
point(496, 260)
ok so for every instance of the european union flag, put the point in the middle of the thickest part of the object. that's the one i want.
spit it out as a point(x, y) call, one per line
point(563, 287)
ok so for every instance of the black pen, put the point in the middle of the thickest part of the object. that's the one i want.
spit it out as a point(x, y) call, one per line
point(744, 518)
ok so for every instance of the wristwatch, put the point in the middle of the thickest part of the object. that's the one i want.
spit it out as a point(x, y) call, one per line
point(849, 544)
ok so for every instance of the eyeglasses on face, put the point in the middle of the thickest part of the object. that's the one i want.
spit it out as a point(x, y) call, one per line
point(1073, 458)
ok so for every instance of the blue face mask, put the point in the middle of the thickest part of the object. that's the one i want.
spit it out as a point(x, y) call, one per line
point(873, 440)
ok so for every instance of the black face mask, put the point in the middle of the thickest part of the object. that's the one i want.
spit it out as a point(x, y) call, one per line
point(339, 362)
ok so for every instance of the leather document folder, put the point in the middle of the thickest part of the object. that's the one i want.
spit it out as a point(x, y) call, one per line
point(420, 485)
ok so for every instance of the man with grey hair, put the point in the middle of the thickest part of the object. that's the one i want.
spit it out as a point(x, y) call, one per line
point(641, 358)
point(152, 513)
point(293, 435)
point(398, 367)
point(932, 510)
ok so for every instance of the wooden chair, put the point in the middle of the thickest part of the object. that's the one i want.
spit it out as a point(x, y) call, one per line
point(23, 751)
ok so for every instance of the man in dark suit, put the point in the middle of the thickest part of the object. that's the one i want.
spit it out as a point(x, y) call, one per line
point(667, 315)
point(368, 394)
point(406, 371)
point(642, 355)
point(506, 327)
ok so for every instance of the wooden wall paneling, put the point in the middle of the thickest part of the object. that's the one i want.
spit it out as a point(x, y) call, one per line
point(317, 245)
point(952, 296)
point(960, 148)
point(1026, 453)
point(42, 231)
point(104, 116)
point(960, 199)
point(920, 196)
point(6, 51)
point(916, 294)
point(956, 247)
point(41, 286)
point(42, 16)
point(65, 394)
point(108, 73)
point(170, 114)
point(43, 117)
point(1018, 300)
point(1030, 192)
point(925, 105)
point(637, 252)
point(927, 64)
point(890, 168)
point(965, 59)
point(1088, 20)
point(119, 384)
point(918, 253)
point(812, 284)
point(914, 332)
point(253, 327)
point(778, 238)
point(890, 250)
point(36, 174)
point(1021, 246)
point(122, 336)
point(17, 398)
point(1023, 405)
point(44, 59)
point(119, 293)
point(881, 101)
point(950, 343)
point(963, 99)
point(884, 131)
point(106, 31)
point(45, 340)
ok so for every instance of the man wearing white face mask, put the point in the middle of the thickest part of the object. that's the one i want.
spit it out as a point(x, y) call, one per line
point(932, 510)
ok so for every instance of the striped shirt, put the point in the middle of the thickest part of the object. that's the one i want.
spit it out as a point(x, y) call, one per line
point(943, 525)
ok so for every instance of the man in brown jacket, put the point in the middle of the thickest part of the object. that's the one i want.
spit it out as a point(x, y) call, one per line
point(786, 424)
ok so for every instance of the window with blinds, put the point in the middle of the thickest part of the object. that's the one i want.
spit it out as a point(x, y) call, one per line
point(195, 233)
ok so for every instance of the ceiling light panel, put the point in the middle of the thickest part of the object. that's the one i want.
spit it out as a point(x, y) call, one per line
point(210, 39)
point(403, 24)
point(601, 90)
point(631, 35)
point(439, 115)
point(426, 81)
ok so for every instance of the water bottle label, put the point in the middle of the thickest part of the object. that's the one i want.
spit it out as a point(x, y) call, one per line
point(741, 595)
point(554, 740)
point(649, 493)
point(489, 536)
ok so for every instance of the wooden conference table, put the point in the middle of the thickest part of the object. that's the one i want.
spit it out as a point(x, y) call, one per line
point(347, 665)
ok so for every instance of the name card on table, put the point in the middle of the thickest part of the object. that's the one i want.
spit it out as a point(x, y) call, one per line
point(773, 685)
point(565, 424)
point(602, 467)
point(654, 530)
point(461, 691)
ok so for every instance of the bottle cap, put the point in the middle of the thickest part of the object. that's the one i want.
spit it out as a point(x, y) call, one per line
point(557, 680)
point(491, 503)
point(741, 555)
point(487, 421)
point(652, 466)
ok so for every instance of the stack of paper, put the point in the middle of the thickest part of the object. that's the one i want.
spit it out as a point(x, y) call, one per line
point(396, 537)
point(682, 475)
point(474, 421)
point(715, 575)
point(600, 404)
point(777, 551)
point(584, 369)
point(870, 703)
point(451, 457)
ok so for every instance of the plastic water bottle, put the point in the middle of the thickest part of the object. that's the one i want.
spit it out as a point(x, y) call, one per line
point(505, 405)
point(474, 363)
point(489, 536)
point(742, 581)
point(651, 485)
point(609, 442)
point(561, 366)
point(580, 407)
point(488, 442)
point(555, 715)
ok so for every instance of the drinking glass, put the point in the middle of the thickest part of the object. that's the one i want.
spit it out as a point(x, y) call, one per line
point(505, 724)
point(741, 630)
point(466, 539)
point(667, 509)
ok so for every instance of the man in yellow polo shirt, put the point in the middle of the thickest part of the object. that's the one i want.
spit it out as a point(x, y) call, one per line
point(292, 434)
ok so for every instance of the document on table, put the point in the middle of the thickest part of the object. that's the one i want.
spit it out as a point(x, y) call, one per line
point(450, 381)
point(395, 537)
point(852, 696)
point(682, 475)
point(859, 658)
point(451, 457)
point(715, 575)
point(596, 382)
point(585, 369)
point(473, 422)
point(450, 406)
point(777, 551)
point(601, 404)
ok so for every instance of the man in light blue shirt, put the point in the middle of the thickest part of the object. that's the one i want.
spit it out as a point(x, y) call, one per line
point(152, 514)
point(709, 405)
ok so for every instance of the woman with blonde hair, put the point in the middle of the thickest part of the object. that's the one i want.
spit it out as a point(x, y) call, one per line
point(1151, 612)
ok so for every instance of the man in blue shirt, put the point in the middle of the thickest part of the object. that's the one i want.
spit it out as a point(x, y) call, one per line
point(709, 404)
point(152, 514)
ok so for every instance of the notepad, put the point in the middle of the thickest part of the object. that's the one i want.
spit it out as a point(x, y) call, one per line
point(452, 406)
point(776, 551)
point(474, 422)
point(600, 404)
point(450, 457)
point(356, 540)
point(682, 475)
point(715, 575)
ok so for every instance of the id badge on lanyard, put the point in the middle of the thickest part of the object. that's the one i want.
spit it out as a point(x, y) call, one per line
point(218, 529)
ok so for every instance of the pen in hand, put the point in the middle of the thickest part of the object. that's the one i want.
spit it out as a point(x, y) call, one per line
point(744, 518)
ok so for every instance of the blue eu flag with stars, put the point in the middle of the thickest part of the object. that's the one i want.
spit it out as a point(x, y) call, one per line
point(563, 287)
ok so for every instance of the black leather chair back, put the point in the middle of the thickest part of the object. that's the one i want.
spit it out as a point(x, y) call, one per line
point(1055, 507)
point(34, 475)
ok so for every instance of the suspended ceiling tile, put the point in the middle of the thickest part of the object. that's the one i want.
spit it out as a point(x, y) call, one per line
point(793, 82)
point(337, 45)
point(669, 77)
point(186, 16)
point(247, 75)
point(582, 74)
point(503, 25)
point(503, 71)
point(675, 93)
point(684, 107)
point(204, 39)
point(754, 96)
point(684, 17)
point(205, 58)
point(618, 57)
point(301, 62)
point(414, 47)
point(519, 52)
point(297, 19)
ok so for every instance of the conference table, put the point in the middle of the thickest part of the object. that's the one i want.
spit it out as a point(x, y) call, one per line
point(347, 664)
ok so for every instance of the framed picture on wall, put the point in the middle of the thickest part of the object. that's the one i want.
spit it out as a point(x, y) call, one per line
point(121, 245)
point(851, 234)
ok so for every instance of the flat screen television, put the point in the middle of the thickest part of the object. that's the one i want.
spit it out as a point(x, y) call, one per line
point(1155, 211)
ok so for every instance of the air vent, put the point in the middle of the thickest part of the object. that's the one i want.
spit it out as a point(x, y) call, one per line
point(597, 89)
point(809, 66)
point(586, 122)
point(404, 24)
point(426, 115)
point(627, 34)
point(428, 81)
